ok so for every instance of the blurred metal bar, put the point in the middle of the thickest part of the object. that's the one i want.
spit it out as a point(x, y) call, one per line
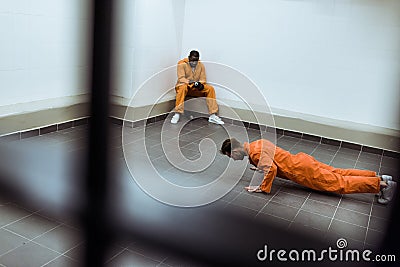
point(392, 233)
point(97, 234)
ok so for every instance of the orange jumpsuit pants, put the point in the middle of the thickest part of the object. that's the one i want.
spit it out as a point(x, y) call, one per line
point(307, 171)
point(184, 90)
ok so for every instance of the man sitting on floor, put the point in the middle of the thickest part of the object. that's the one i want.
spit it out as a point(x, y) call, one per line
point(192, 82)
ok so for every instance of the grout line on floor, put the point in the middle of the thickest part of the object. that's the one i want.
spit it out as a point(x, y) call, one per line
point(300, 209)
point(369, 220)
point(74, 247)
point(59, 256)
point(35, 212)
point(333, 157)
point(29, 239)
point(269, 200)
point(162, 262)
point(61, 253)
point(350, 223)
point(312, 152)
point(42, 245)
point(230, 202)
point(56, 220)
point(354, 211)
point(292, 194)
point(333, 216)
point(380, 164)
point(116, 255)
point(358, 157)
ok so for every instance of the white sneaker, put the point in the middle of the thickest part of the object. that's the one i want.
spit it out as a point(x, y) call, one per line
point(384, 178)
point(175, 118)
point(387, 193)
point(215, 119)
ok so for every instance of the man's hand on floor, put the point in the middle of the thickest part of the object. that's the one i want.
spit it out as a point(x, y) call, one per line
point(253, 189)
point(256, 169)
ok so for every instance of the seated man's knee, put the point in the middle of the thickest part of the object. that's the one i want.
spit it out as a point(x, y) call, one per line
point(208, 87)
point(181, 88)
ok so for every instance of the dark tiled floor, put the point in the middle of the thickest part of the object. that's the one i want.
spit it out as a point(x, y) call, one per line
point(36, 237)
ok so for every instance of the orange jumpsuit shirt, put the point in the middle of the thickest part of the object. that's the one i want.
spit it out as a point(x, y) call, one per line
point(185, 72)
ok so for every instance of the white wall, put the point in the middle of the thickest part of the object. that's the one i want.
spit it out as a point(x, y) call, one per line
point(148, 40)
point(43, 52)
point(334, 59)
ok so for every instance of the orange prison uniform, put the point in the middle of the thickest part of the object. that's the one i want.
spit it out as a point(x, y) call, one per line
point(182, 88)
point(307, 171)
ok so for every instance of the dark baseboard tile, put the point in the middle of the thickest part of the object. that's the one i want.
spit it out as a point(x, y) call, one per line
point(161, 117)
point(254, 126)
point(80, 122)
point(65, 125)
point(151, 120)
point(128, 124)
point(277, 131)
point(48, 129)
point(116, 121)
point(263, 128)
point(351, 146)
point(30, 133)
point(10, 137)
point(240, 123)
point(292, 134)
point(391, 154)
point(372, 150)
point(331, 142)
point(227, 121)
point(139, 123)
point(310, 137)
